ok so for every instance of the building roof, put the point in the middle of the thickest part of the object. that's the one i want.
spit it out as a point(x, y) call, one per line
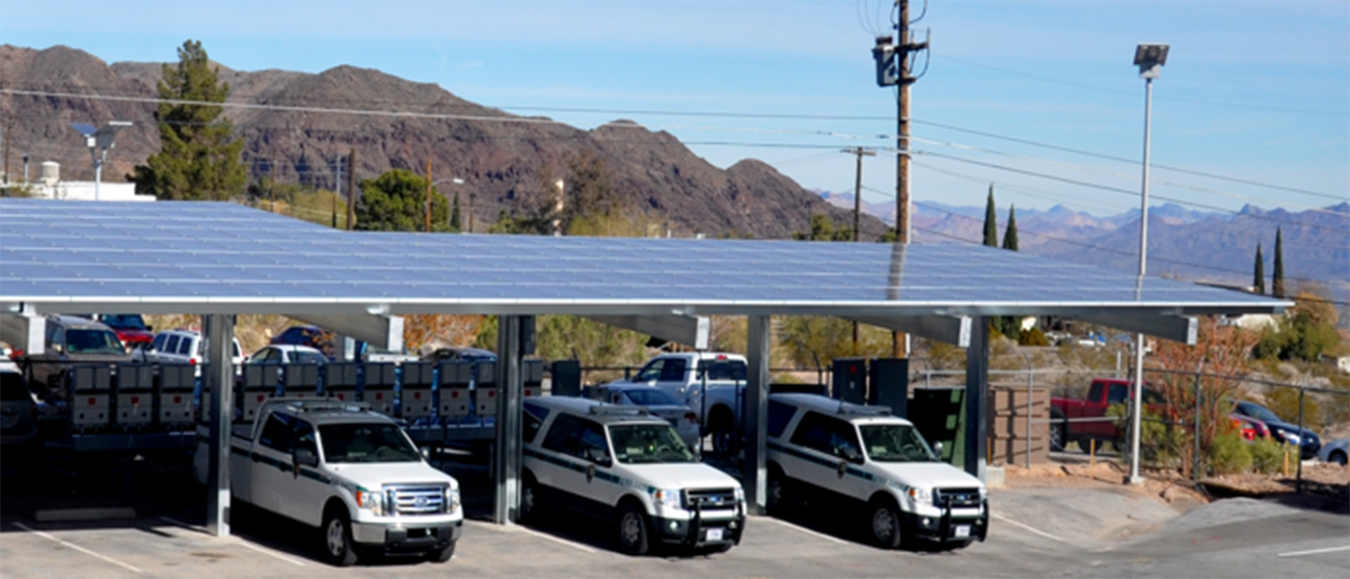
point(224, 258)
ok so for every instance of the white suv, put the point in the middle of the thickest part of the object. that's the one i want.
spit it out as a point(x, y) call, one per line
point(181, 347)
point(825, 453)
point(629, 468)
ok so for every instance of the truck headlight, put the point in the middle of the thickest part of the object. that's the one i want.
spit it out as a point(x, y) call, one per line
point(984, 493)
point(740, 495)
point(669, 499)
point(371, 501)
point(918, 495)
point(452, 499)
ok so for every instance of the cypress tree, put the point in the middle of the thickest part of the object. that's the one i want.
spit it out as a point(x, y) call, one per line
point(1260, 279)
point(454, 215)
point(990, 220)
point(1277, 277)
point(1010, 234)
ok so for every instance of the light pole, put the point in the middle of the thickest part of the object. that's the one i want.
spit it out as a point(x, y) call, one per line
point(455, 180)
point(99, 141)
point(1150, 59)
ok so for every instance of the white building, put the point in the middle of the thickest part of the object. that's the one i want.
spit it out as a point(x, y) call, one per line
point(50, 186)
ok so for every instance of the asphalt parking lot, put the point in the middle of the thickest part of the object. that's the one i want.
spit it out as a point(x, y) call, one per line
point(1237, 538)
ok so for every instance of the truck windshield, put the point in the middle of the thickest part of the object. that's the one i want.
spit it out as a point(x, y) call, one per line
point(93, 342)
point(648, 443)
point(895, 443)
point(366, 443)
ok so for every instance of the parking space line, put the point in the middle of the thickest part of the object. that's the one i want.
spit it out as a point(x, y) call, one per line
point(558, 540)
point(1027, 527)
point(244, 543)
point(50, 537)
point(1314, 551)
point(804, 530)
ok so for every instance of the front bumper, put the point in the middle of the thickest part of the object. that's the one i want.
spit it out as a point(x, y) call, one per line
point(699, 531)
point(407, 538)
point(948, 528)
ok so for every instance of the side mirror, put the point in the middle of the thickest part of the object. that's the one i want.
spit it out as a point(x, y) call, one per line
point(149, 328)
point(852, 455)
point(306, 457)
point(58, 348)
point(598, 456)
point(937, 449)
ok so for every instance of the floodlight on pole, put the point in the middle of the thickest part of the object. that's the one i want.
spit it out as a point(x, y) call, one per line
point(99, 141)
point(1150, 59)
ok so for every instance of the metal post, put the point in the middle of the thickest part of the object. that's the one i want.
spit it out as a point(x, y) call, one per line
point(756, 412)
point(1138, 396)
point(1031, 383)
point(220, 377)
point(506, 466)
point(977, 381)
point(1195, 458)
point(1298, 448)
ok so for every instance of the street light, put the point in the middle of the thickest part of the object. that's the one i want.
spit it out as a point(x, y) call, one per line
point(1150, 59)
point(455, 180)
point(99, 141)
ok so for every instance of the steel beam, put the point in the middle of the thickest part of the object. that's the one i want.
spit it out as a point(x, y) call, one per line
point(1168, 327)
point(678, 328)
point(949, 329)
point(507, 458)
point(24, 330)
point(756, 417)
point(977, 390)
point(220, 377)
point(381, 331)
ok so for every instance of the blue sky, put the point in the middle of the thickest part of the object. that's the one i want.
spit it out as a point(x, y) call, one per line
point(1258, 91)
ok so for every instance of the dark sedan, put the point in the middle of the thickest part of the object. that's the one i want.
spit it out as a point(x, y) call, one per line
point(1288, 433)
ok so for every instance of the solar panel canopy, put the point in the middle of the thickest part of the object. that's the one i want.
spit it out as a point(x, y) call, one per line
point(204, 258)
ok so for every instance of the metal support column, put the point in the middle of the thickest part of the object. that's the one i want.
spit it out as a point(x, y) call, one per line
point(506, 465)
point(977, 386)
point(756, 412)
point(220, 378)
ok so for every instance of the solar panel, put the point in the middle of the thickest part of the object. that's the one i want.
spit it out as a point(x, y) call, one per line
point(221, 258)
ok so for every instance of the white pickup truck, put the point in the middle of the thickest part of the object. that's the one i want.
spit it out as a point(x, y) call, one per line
point(349, 472)
point(710, 383)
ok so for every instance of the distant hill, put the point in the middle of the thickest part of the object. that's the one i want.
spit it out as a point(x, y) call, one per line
point(498, 160)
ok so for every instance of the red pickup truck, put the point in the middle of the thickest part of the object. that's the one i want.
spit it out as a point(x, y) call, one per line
point(1102, 394)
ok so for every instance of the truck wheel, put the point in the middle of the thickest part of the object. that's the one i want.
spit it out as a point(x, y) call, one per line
point(885, 523)
point(529, 498)
point(1338, 457)
point(633, 532)
point(442, 555)
point(1059, 432)
point(775, 490)
point(723, 433)
point(337, 538)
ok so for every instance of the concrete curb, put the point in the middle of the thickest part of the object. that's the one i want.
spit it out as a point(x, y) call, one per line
point(80, 515)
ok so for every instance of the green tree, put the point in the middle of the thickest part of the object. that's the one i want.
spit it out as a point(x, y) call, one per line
point(1259, 280)
point(1277, 277)
point(825, 229)
point(454, 215)
point(396, 201)
point(562, 337)
point(197, 160)
point(990, 220)
point(1010, 234)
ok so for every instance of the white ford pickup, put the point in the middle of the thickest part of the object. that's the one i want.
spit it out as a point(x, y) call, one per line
point(352, 473)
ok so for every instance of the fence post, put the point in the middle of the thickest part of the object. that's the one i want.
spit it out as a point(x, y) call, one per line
point(1195, 433)
point(1298, 448)
point(1031, 382)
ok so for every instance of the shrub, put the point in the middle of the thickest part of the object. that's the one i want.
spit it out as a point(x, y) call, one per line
point(1267, 455)
point(1229, 454)
point(1033, 337)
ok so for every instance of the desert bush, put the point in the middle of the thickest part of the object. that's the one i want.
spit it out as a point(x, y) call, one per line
point(1229, 453)
point(1267, 455)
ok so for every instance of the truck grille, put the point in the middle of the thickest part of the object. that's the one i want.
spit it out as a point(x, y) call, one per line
point(416, 500)
point(711, 498)
point(957, 498)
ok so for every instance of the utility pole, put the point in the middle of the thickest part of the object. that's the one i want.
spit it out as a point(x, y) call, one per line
point(351, 189)
point(337, 181)
point(857, 211)
point(428, 211)
point(894, 59)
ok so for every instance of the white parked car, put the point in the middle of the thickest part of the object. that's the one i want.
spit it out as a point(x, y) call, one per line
point(1334, 451)
point(181, 347)
point(629, 469)
point(287, 354)
point(828, 455)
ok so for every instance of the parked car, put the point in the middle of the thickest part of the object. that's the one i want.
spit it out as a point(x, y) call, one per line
point(182, 347)
point(629, 469)
point(658, 403)
point(460, 353)
point(351, 474)
point(1334, 451)
point(18, 406)
point(287, 354)
point(131, 328)
point(1250, 428)
point(1280, 430)
point(838, 459)
point(1091, 413)
point(311, 336)
point(69, 341)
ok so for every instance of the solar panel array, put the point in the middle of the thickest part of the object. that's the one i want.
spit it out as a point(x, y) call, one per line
point(198, 257)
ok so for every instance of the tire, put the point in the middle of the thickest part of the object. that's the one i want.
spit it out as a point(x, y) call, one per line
point(776, 494)
point(442, 555)
point(1059, 432)
point(1337, 457)
point(884, 522)
point(723, 433)
point(529, 499)
point(336, 534)
point(634, 534)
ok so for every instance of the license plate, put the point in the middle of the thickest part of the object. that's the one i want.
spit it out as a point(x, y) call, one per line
point(962, 531)
point(714, 534)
